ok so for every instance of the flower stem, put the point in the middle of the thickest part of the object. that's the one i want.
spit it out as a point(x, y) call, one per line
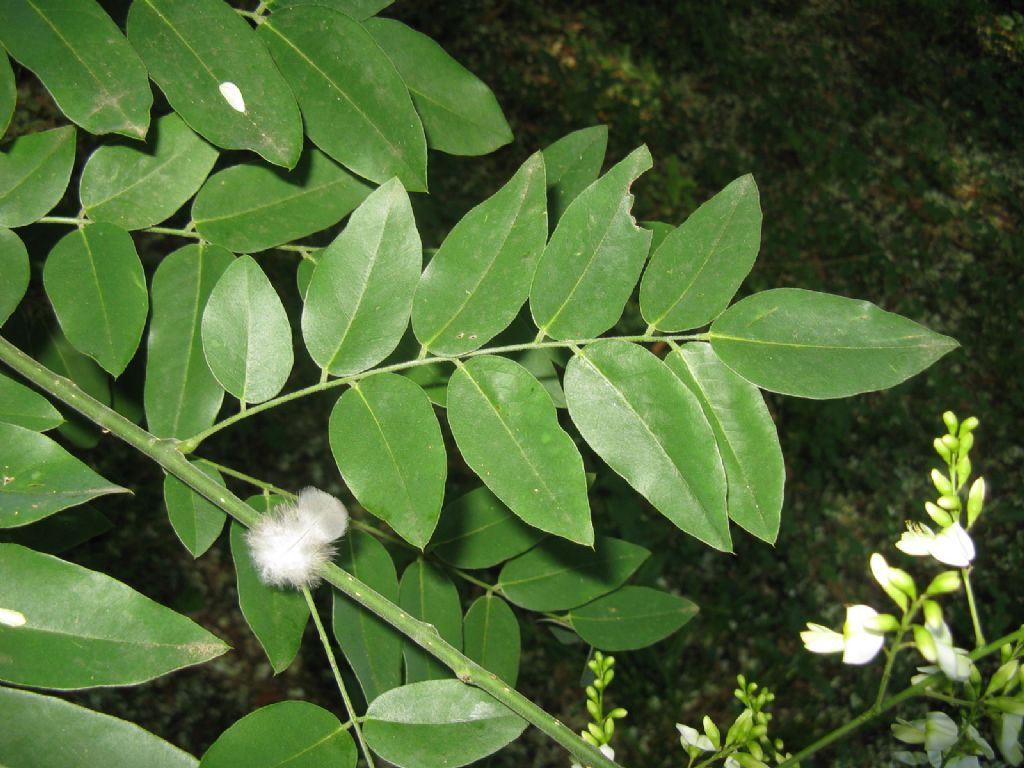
point(979, 637)
point(166, 452)
point(326, 643)
point(192, 443)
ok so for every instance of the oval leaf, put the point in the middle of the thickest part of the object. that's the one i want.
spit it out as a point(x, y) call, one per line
point(699, 267)
point(15, 269)
point(139, 186)
point(39, 478)
point(193, 47)
point(507, 430)
point(197, 521)
point(492, 637)
point(425, 593)
point(460, 114)
point(631, 618)
point(246, 336)
point(87, 739)
point(82, 58)
point(8, 93)
point(83, 629)
point(26, 408)
point(594, 258)
point(34, 173)
point(61, 532)
point(372, 647)
point(746, 435)
point(820, 346)
point(277, 617)
point(480, 276)
point(573, 164)
point(557, 575)
point(292, 733)
point(95, 282)
point(359, 299)
point(355, 105)
point(252, 207)
point(438, 724)
point(478, 531)
point(651, 430)
point(388, 445)
point(181, 395)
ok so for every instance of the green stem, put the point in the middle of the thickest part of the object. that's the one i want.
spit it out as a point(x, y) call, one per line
point(893, 701)
point(192, 443)
point(326, 643)
point(979, 637)
point(166, 453)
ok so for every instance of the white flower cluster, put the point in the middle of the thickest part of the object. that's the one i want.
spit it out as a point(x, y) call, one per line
point(290, 544)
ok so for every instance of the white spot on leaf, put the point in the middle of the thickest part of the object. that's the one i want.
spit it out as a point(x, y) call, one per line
point(232, 96)
point(11, 618)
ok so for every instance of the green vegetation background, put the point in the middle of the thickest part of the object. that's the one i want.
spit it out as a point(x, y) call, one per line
point(886, 142)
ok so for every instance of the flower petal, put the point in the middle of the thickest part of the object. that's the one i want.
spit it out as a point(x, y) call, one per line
point(953, 546)
point(819, 639)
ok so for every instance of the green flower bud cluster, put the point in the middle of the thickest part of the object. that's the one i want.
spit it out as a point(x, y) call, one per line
point(954, 449)
point(601, 728)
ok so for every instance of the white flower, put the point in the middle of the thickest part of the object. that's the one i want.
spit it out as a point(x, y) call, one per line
point(232, 95)
point(858, 643)
point(952, 545)
point(1008, 733)
point(691, 737)
point(290, 544)
point(937, 731)
point(954, 662)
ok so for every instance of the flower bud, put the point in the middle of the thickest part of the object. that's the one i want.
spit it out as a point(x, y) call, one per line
point(940, 448)
point(1011, 706)
point(944, 583)
point(925, 643)
point(975, 500)
point(1003, 676)
point(939, 516)
point(949, 502)
point(932, 613)
point(903, 582)
point(609, 729)
point(712, 732)
point(970, 424)
point(618, 713)
point(950, 420)
point(882, 623)
point(593, 709)
point(951, 442)
point(941, 483)
point(966, 442)
point(963, 467)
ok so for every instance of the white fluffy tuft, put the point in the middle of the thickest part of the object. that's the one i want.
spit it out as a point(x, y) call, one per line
point(290, 544)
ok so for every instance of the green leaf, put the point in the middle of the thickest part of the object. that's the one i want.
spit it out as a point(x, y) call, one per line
point(8, 92)
point(480, 276)
point(438, 724)
point(817, 345)
point(15, 269)
point(296, 734)
point(388, 445)
point(197, 521)
point(507, 430)
point(699, 267)
point(355, 106)
point(358, 302)
point(557, 575)
point(573, 164)
point(193, 47)
point(425, 593)
point(26, 408)
point(478, 531)
point(139, 186)
point(82, 58)
point(492, 637)
point(246, 335)
point(659, 231)
point(83, 629)
point(95, 282)
point(34, 173)
point(357, 9)
point(372, 647)
point(252, 207)
point(651, 430)
point(61, 532)
point(87, 739)
point(57, 354)
point(40, 478)
point(631, 618)
point(459, 112)
point(746, 435)
point(181, 395)
point(277, 617)
point(594, 258)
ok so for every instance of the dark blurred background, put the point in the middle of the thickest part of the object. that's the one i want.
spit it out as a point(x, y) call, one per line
point(886, 141)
